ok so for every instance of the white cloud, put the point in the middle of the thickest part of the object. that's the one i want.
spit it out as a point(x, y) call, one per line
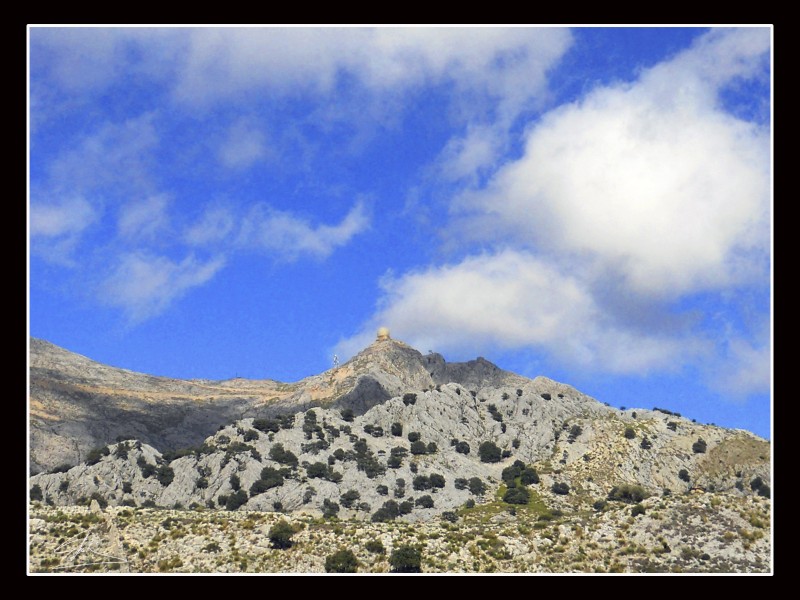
point(651, 181)
point(244, 145)
point(745, 369)
point(216, 224)
point(512, 300)
point(144, 219)
point(144, 285)
point(289, 236)
point(68, 216)
point(116, 156)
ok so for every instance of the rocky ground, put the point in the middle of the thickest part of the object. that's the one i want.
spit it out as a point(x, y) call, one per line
point(689, 533)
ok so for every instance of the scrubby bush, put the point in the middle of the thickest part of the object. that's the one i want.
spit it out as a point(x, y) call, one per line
point(95, 454)
point(409, 398)
point(547, 396)
point(560, 488)
point(489, 452)
point(235, 500)
point(414, 436)
point(432, 448)
point(343, 561)
point(280, 535)
point(406, 559)
point(421, 482)
point(329, 508)
point(450, 516)
point(476, 486)
point(418, 448)
point(251, 435)
point(517, 495)
point(756, 483)
point(529, 476)
point(349, 498)
point(394, 462)
point(235, 482)
point(599, 505)
point(375, 546)
point(424, 501)
point(684, 475)
point(460, 483)
point(165, 475)
point(630, 433)
point(437, 481)
point(637, 510)
point(699, 447)
point(397, 429)
point(495, 413)
point(462, 447)
point(470, 503)
point(36, 493)
point(267, 425)
point(383, 490)
point(646, 444)
point(347, 415)
point(627, 492)
point(672, 425)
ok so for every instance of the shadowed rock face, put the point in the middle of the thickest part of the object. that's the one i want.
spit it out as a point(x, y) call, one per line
point(77, 404)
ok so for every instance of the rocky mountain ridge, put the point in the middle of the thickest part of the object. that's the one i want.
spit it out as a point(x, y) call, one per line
point(396, 436)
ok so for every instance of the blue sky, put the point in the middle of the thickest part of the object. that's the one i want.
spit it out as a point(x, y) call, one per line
point(589, 204)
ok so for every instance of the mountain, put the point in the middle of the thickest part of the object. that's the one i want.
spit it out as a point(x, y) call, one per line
point(395, 434)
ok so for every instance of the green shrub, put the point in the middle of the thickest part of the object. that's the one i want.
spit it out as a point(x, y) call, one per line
point(101, 501)
point(432, 448)
point(462, 447)
point(418, 448)
point(36, 493)
point(329, 508)
point(127, 487)
point(165, 475)
point(406, 559)
point(437, 481)
point(646, 444)
point(414, 436)
point(349, 498)
point(409, 399)
point(560, 488)
point(460, 483)
point(470, 503)
point(397, 429)
point(517, 495)
point(672, 425)
point(394, 462)
point(280, 535)
point(489, 452)
point(476, 486)
point(282, 456)
point(64, 486)
point(267, 425)
point(375, 546)
point(529, 476)
point(627, 492)
point(756, 483)
point(251, 435)
point(699, 447)
point(599, 505)
point(235, 482)
point(383, 490)
point(95, 454)
point(630, 433)
point(684, 475)
point(347, 415)
point(637, 510)
point(343, 561)
point(424, 501)
point(235, 500)
point(421, 482)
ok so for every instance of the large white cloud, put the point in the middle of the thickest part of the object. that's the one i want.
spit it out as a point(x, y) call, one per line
point(513, 300)
point(651, 181)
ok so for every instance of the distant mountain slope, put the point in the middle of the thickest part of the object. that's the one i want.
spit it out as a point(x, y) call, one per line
point(77, 404)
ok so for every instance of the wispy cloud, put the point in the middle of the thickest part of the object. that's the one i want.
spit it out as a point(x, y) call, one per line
point(289, 237)
point(144, 219)
point(143, 285)
point(243, 146)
